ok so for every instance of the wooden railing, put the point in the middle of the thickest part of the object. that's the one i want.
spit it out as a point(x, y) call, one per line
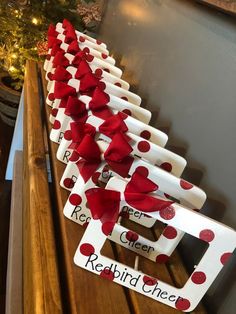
point(41, 284)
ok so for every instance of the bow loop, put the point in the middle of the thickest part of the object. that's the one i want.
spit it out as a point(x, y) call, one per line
point(61, 74)
point(140, 183)
point(79, 130)
point(88, 145)
point(78, 58)
point(52, 31)
point(75, 107)
point(62, 90)
point(73, 47)
point(82, 69)
point(55, 49)
point(98, 104)
point(118, 149)
point(113, 125)
point(103, 204)
point(70, 34)
point(88, 83)
point(53, 41)
point(60, 59)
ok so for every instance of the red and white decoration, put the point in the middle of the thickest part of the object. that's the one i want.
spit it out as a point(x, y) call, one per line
point(116, 167)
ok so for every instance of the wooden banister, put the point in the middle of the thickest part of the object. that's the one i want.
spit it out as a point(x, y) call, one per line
point(41, 284)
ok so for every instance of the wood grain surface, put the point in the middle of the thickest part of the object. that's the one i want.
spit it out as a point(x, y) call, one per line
point(41, 291)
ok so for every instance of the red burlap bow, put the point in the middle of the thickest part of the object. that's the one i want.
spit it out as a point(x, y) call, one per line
point(105, 204)
point(116, 156)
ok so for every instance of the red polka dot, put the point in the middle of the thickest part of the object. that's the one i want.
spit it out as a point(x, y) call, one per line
point(69, 183)
point(68, 135)
point(51, 96)
point(104, 56)
point(87, 249)
point(118, 84)
point(56, 125)
point(149, 281)
point(143, 146)
point(131, 236)
point(124, 98)
point(170, 232)
point(89, 58)
point(145, 134)
point(50, 76)
point(98, 72)
point(107, 274)
point(95, 177)
point(198, 277)
point(185, 185)
point(142, 170)
point(75, 199)
point(167, 213)
point(81, 39)
point(107, 227)
point(206, 235)
point(54, 112)
point(102, 85)
point(48, 57)
point(86, 50)
point(98, 42)
point(225, 257)
point(182, 304)
point(74, 156)
point(166, 166)
point(162, 258)
point(127, 111)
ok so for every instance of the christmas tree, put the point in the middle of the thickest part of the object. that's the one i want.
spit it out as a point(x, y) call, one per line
point(23, 30)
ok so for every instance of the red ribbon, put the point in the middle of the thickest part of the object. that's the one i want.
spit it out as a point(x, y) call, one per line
point(52, 31)
point(73, 47)
point(113, 125)
point(66, 23)
point(98, 105)
point(76, 109)
point(60, 59)
point(116, 156)
point(55, 48)
point(78, 132)
point(104, 204)
point(70, 34)
point(61, 74)
point(63, 90)
point(87, 85)
point(53, 41)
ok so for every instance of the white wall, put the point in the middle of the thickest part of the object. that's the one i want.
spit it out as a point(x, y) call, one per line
point(182, 57)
